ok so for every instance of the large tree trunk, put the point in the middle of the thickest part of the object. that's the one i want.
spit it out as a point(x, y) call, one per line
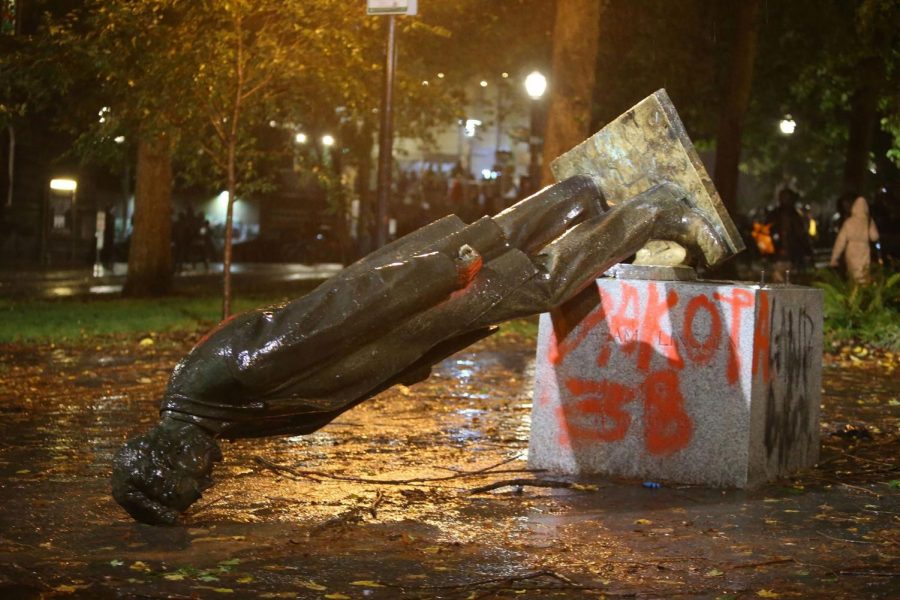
point(737, 98)
point(863, 118)
point(576, 35)
point(150, 254)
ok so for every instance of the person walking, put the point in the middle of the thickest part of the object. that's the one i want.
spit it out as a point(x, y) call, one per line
point(853, 239)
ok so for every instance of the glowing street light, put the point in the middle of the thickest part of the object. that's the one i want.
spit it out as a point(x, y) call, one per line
point(787, 125)
point(63, 185)
point(327, 140)
point(300, 138)
point(535, 85)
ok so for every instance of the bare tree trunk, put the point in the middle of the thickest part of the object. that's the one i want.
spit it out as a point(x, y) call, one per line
point(229, 220)
point(737, 98)
point(862, 120)
point(11, 165)
point(576, 35)
point(150, 254)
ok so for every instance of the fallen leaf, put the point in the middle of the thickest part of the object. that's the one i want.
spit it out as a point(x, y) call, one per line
point(116, 562)
point(336, 597)
point(311, 585)
point(366, 583)
point(146, 342)
point(246, 579)
point(643, 522)
point(714, 573)
point(584, 487)
point(139, 565)
point(23, 471)
point(767, 594)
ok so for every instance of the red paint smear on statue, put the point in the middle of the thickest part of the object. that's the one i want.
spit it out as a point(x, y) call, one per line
point(739, 300)
point(221, 324)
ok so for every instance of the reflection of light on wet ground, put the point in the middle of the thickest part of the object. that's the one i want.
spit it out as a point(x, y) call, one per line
point(464, 434)
point(463, 368)
point(105, 289)
point(471, 413)
point(320, 438)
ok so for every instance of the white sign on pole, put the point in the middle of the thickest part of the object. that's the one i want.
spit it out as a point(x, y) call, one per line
point(391, 7)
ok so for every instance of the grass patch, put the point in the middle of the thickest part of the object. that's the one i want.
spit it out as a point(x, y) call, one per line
point(69, 319)
point(526, 328)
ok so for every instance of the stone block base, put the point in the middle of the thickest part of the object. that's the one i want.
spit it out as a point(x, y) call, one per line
point(681, 381)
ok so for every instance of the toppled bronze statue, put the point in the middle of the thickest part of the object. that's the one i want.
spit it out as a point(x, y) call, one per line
point(387, 319)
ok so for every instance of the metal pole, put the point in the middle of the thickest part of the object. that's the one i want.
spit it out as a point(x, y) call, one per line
point(386, 136)
point(534, 166)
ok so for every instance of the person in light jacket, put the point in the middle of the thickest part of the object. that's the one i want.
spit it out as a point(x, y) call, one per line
point(853, 240)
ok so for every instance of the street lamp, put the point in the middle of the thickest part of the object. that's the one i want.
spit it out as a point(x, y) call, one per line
point(327, 140)
point(63, 185)
point(535, 86)
point(300, 138)
point(787, 125)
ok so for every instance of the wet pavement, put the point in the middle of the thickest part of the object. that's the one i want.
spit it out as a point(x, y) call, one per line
point(379, 504)
point(99, 281)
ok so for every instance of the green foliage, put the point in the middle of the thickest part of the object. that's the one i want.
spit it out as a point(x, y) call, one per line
point(866, 313)
point(73, 319)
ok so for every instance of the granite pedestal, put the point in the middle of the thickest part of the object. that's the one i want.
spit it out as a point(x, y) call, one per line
point(682, 381)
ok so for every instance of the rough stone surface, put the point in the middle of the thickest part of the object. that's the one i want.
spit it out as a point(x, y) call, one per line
point(693, 382)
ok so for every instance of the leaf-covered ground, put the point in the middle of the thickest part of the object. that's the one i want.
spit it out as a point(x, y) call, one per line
point(379, 504)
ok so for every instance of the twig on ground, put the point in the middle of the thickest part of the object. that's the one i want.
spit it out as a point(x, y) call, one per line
point(205, 506)
point(840, 539)
point(321, 474)
point(496, 584)
point(523, 482)
point(847, 485)
point(379, 498)
point(503, 581)
point(774, 561)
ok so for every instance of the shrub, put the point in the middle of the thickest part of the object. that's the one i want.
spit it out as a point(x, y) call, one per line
point(867, 313)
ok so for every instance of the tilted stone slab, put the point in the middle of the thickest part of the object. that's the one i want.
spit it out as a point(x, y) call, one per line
point(682, 381)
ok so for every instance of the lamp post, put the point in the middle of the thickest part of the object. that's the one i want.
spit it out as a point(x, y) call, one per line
point(535, 86)
point(63, 186)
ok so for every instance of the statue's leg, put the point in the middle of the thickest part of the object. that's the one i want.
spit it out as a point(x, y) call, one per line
point(576, 258)
point(534, 222)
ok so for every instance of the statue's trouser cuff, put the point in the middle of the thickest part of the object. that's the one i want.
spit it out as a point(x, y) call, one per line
point(536, 221)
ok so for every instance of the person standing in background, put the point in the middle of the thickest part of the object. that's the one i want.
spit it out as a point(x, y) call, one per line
point(853, 239)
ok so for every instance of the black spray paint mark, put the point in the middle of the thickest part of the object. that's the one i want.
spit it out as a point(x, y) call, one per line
point(792, 331)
